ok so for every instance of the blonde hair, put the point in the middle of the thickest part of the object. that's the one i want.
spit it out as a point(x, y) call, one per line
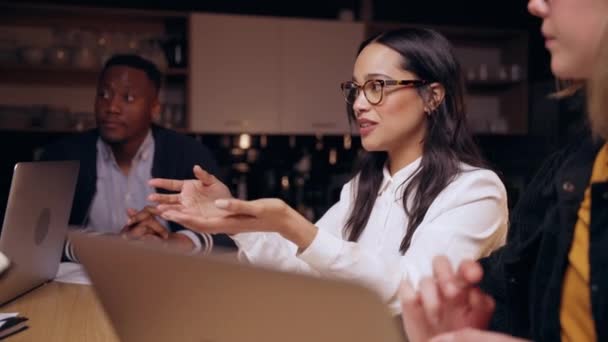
point(598, 90)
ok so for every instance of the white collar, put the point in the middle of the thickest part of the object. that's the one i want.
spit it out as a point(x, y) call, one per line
point(399, 177)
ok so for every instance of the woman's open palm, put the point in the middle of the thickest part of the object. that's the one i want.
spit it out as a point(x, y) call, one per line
point(194, 196)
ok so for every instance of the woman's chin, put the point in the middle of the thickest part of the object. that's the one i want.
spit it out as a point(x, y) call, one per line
point(564, 70)
point(370, 145)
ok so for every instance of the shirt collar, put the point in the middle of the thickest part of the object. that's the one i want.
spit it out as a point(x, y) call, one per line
point(399, 177)
point(143, 153)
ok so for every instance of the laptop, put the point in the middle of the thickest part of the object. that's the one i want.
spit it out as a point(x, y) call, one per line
point(36, 224)
point(151, 294)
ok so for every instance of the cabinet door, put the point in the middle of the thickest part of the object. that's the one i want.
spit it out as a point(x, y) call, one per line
point(234, 74)
point(316, 57)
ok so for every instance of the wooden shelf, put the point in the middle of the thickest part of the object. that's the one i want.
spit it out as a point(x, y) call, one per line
point(62, 130)
point(60, 75)
point(101, 19)
point(41, 130)
point(44, 74)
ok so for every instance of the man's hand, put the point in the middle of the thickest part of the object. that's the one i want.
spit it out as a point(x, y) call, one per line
point(143, 225)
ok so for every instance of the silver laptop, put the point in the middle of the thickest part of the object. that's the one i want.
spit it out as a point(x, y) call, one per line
point(35, 224)
point(151, 294)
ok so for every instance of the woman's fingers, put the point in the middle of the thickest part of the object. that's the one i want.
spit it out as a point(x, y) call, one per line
point(469, 335)
point(167, 184)
point(442, 268)
point(413, 315)
point(482, 305)
point(205, 177)
point(432, 300)
point(453, 285)
point(166, 207)
point(164, 198)
point(470, 271)
point(445, 276)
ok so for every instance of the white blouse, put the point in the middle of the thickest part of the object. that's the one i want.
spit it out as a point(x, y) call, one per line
point(467, 220)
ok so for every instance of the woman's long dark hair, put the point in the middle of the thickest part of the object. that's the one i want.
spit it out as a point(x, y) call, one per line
point(447, 143)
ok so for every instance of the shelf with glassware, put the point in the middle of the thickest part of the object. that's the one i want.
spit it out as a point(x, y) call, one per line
point(62, 119)
point(85, 37)
point(494, 61)
point(51, 56)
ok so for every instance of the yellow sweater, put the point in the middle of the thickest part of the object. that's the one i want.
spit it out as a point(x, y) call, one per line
point(575, 311)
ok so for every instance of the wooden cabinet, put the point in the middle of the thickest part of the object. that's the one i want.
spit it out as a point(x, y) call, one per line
point(270, 75)
point(234, 74)
point(298, 64)
point(317, 57)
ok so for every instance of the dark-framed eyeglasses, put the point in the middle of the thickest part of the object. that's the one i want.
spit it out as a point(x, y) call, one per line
point(373, 90)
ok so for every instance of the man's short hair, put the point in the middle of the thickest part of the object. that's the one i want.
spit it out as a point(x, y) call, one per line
point(135, 62)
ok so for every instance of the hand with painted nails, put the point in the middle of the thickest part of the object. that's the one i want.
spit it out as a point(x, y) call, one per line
point(263, 215)
point(446, 302)
point(193, 197)
point(205, 205)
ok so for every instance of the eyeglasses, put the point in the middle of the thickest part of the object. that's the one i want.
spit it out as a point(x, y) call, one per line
point(374, 89)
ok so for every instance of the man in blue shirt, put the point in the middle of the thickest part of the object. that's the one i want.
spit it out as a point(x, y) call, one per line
point(126, 150)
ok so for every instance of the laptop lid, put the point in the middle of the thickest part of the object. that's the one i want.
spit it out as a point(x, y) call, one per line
point(35, 224)
point(159, 295)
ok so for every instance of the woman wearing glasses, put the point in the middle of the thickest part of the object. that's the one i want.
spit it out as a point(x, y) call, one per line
point(420, 189)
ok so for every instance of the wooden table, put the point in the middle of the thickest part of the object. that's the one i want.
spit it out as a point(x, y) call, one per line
point(62, 312)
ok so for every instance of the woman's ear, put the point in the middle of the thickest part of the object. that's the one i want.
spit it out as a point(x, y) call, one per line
point(436, 95)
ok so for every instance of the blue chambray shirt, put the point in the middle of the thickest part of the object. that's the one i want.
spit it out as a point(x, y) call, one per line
point(116, 191)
